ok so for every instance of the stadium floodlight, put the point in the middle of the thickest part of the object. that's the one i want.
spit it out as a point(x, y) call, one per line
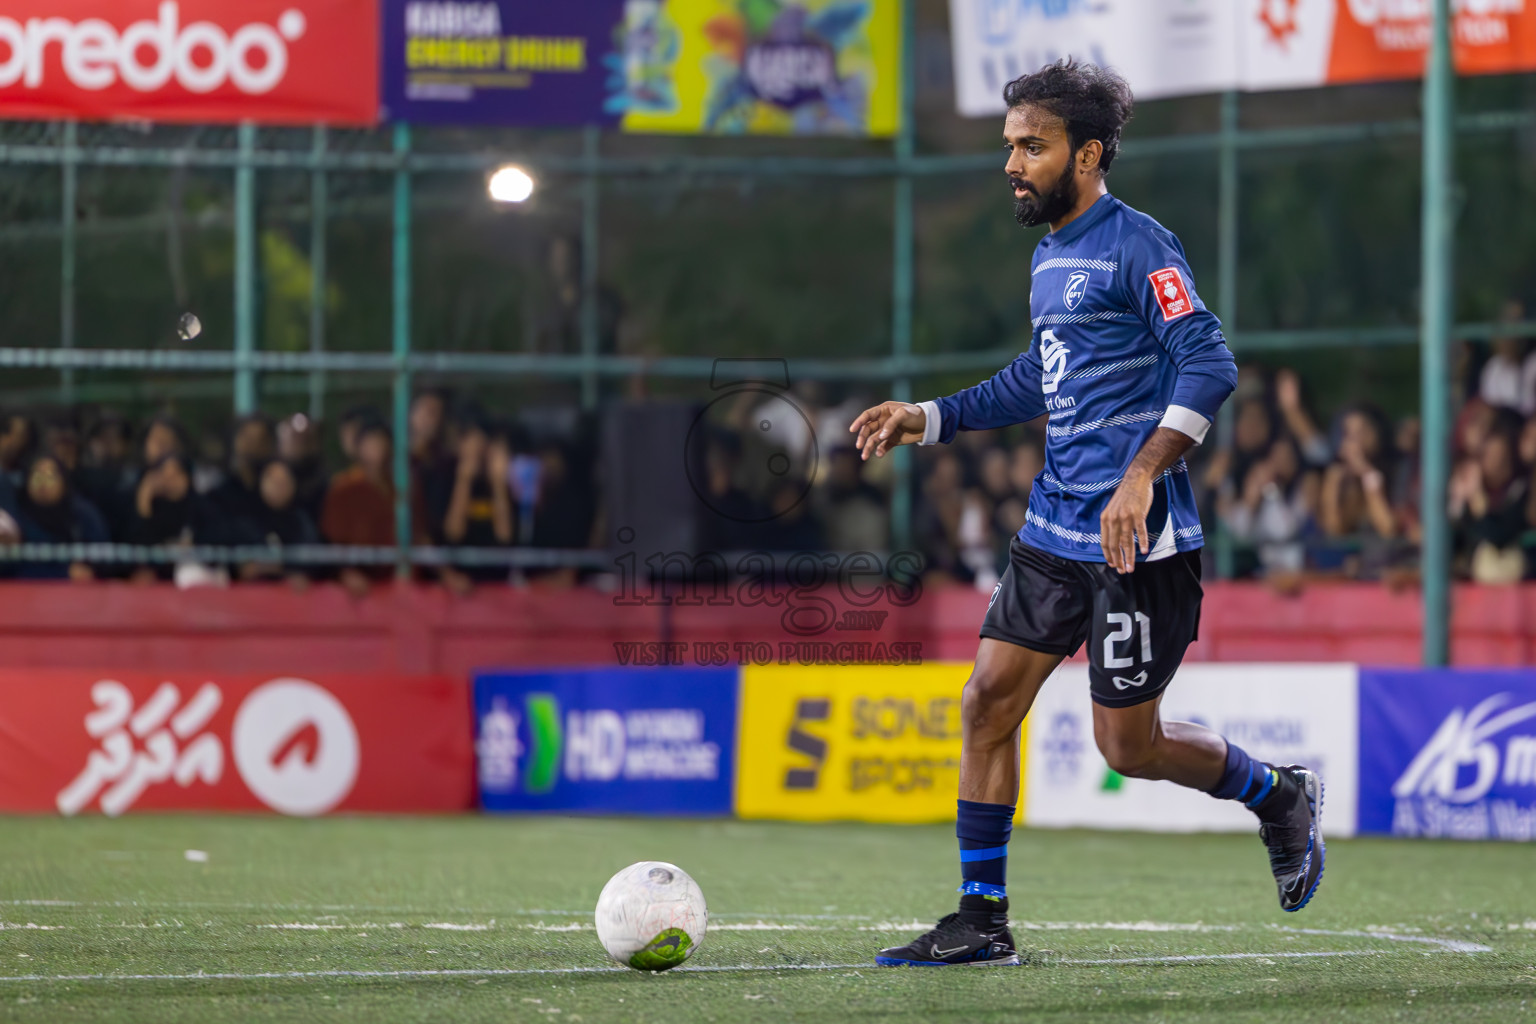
point(510, 184)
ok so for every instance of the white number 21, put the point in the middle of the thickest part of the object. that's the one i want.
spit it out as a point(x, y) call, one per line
point(1123, 629)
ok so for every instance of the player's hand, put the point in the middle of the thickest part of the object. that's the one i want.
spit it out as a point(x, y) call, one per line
point(1123, 526)
point(887, 425)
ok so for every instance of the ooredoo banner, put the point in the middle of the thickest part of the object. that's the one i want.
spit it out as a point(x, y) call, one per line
point(1175, 47)
point(607, 740)
point(78, 743)
point(1284, 714)
point(271, 61)
point(1448, 754)
point(850, 742)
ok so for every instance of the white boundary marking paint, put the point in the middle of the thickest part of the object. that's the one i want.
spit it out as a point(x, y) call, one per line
point(1437, 946)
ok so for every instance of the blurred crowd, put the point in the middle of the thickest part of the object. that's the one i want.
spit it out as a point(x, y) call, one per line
point(1295, 492)
point(475, 482)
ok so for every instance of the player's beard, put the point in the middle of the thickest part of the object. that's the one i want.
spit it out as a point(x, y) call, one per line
point(1032, 210)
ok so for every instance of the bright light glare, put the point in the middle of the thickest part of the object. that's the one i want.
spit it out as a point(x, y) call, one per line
point(510, 185)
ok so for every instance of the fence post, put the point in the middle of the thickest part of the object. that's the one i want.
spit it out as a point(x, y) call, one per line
point(319, 199)
point(70, 167)
point(245, 271)
point(591, 196)
point(902, 273)
point(1437, 243)
point(1226, 285)
point(401, 291)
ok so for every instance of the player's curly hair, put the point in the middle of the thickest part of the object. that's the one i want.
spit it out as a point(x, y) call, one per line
point(1094, 102)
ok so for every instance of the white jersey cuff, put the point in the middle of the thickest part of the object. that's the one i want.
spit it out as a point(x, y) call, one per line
point(1186, 421)
point(934, 425)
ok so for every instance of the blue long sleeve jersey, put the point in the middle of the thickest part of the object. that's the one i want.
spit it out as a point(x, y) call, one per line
point(1121, 344)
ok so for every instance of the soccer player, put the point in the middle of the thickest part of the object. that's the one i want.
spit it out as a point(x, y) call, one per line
point(1130, 367)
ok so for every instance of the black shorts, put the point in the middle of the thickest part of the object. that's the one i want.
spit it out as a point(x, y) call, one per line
point(1137, 626)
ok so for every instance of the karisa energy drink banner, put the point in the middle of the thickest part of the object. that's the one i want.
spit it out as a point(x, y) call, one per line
point(271, 61)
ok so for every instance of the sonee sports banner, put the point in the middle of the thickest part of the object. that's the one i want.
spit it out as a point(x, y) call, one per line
point(271, 61)
point(79, 743)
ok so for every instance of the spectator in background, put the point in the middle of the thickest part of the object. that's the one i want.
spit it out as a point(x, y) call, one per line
point(48, 511)
point(1311, 444)
point(1253, 431)
point(852, 511)
point(17, 439)
point(731, 516)
point(1275, 510)
point(564, 512)
point(351, 423)
point(163, 436)
point(938, 527)
point(235, 504)
point(279, 522)
point(1508, 380)
point(104, 478)
point(479, 513)
point(61, 439)
point(1488, 505)
point(165, 513)
point(1404, 479)
point(1354, 508)
point(360, 504)
point(298, 444)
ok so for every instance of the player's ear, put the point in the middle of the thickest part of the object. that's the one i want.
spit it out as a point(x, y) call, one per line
point(1088, 156)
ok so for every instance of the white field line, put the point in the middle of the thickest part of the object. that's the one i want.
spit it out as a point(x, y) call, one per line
point(501, 972)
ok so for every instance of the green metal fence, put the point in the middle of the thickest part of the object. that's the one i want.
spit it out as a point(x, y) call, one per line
point(249, 158)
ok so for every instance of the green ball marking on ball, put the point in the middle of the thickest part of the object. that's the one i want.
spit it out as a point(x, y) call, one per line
point(665, 951)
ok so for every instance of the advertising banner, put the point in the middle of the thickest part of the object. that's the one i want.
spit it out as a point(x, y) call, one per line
point(272, 61)
point(797, 67)
point(1176, 47)
point(77, 743)
point(850, 742)
point(1284, 714)
point(1449, 754)
point(607, 740)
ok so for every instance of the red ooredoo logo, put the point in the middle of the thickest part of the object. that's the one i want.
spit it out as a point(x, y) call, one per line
point(147, 55)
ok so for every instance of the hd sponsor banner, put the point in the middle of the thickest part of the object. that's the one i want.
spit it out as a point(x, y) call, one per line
point(850, 742)
point(1175, 47)
point(1284, 714)
point(606, 740)
point(794, 67)
point(78, 743)
point(274, 61)
point(1448, 754)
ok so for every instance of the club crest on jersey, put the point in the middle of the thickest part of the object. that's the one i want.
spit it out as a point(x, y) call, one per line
point(1077, 287)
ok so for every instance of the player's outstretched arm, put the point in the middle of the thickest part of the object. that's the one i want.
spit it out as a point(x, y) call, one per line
point(887, 425)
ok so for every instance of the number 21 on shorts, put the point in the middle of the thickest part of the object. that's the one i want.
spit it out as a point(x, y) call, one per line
point(1124, 625)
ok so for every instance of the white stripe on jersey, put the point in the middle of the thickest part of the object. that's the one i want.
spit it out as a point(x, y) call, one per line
point(1082, 318)
point(1077, 264)
point(1109, 421)
point(1105, 369)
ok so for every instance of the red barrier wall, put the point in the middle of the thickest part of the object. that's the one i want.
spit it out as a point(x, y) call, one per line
point(418, 629)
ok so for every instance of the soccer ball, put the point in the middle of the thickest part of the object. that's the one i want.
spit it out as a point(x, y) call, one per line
point(651, 916)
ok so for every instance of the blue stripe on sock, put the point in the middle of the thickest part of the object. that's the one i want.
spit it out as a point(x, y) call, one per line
point(982, 889)
point(1248, 783)
point(990, 853)
point(1269, 783)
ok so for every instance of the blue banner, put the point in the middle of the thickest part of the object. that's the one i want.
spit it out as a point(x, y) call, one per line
point(607, 740)
point(1448, 753)
point(499, 62)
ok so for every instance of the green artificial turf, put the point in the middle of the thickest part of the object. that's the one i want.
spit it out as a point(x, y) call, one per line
point(280, 902)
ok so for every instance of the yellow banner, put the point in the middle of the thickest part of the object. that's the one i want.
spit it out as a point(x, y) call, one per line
point(851, 743)
point(761, 67)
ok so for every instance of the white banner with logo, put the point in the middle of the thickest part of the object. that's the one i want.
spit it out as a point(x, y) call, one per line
point(1284, 714)
point(1178, 47)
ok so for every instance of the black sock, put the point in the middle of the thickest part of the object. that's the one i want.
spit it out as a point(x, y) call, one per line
point(987, 913)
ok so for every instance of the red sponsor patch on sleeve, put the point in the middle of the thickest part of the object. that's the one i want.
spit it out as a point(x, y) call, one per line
point(1172, 296)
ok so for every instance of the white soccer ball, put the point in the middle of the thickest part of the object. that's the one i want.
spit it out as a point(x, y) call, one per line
point(651, 916)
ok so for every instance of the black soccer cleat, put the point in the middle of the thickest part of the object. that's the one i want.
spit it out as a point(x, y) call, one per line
point(1295, 838)
point(954, 942)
